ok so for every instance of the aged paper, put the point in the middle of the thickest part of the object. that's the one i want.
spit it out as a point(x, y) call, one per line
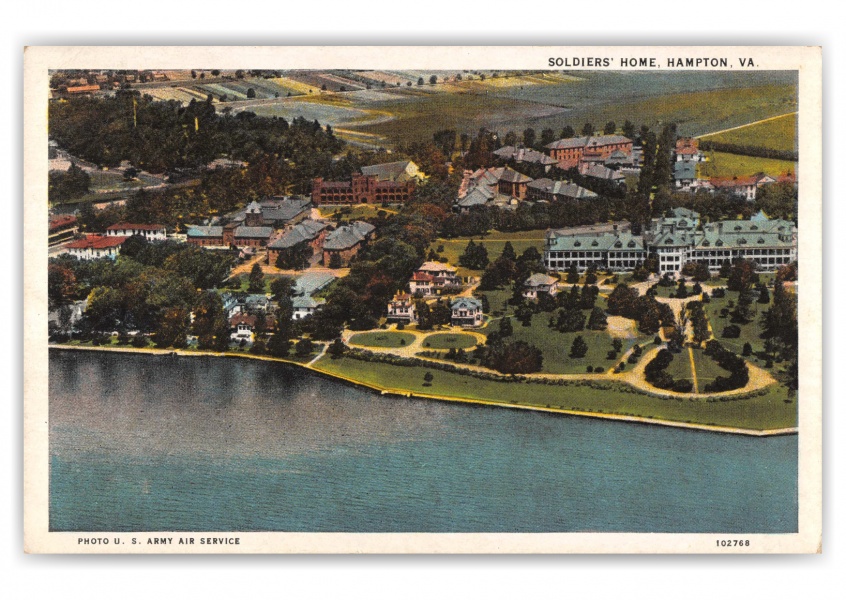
point(465, 401)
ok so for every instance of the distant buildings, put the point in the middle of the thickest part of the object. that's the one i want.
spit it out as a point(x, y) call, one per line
point(571, 152)
point(525, 155)
point(388, 183)
point(92, 247)
point(61, 228)
point(148, 232)
point(549, 190)
point(306, 232)
point(432, 278)
point(345, 242)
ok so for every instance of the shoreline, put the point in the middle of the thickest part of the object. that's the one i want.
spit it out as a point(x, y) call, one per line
point(440, 397)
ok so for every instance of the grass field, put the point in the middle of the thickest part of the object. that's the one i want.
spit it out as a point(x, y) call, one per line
point(778, 134)
point(494, 242)
point(721, 164)
point(767, 411)
point(445, 341)
point(556, 346)
point(382, 339)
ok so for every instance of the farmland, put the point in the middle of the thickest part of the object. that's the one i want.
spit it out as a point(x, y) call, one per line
point(721, 164)
point(775, 134)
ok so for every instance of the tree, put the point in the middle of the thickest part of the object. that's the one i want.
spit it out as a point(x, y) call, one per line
point(528, 137)
point(573, 274)
point(505, 327)
point(513, 358)
point(587, 130)
point(173, 329)
point(304, 347)
point(433, 79)
point(475, 256)
point(741, 275)
point(428, 378)
point(579, 348)
point(610, 128)
point(337, 349)
point(251, 93)
point(568, 132)
point(61, 285)
point(420, 81)
point(590, 276)
point(256, 284)
point(508, 252)
point(335, 261)
point(210, 324)
point(597, 320)
point(629, 129)
point(281, 287)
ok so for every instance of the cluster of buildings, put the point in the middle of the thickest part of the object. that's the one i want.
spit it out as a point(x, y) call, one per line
point(253, 226)
point(674, 241)
point(609, 158)
point(504, 187)
point(430, 280)
point(387, 183)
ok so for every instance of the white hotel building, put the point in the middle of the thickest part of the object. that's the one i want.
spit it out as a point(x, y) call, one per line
point(674, 241)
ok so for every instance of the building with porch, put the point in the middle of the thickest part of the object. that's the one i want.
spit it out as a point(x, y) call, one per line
point(466, 312)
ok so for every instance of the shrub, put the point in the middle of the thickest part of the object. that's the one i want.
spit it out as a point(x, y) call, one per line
point(731, 331)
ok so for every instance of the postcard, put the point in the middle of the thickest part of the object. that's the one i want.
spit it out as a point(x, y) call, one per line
point(423, 300)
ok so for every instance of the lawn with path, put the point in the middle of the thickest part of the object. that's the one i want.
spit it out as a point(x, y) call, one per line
point(768, 410)
point(446, 341)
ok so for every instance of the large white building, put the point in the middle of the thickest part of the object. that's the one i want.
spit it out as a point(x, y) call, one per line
point(149, 232)
point(92, 247)
point(674, 241)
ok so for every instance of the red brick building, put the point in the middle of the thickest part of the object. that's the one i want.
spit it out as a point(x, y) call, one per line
point(570, 151)
point(362, 189)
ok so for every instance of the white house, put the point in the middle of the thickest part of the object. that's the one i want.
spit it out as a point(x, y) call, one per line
point(401, 308)
point(539, 283)
point(148, 232)
point(92, 247)
point(466, 312)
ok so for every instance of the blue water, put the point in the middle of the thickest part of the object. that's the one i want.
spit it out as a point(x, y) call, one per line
point(143, 443)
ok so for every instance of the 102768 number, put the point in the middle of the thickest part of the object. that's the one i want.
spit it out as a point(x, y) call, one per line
point(732, 543)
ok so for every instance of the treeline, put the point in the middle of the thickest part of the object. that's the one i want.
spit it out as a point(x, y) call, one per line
point(161, 136)
point(746, 150)
point(150, 288)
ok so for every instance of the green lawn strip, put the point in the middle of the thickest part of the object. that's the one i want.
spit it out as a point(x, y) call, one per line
point(778, 134)
point(749, 332)
point(445, 341)
point(721, 164)
point(767, 411)
point(706, 369)
point(680, 366)
point(382, 339)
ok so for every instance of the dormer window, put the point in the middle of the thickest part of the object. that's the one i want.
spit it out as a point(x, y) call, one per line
point(741, 241)
point(595, 243)
point(719, 242)
point(706, 243)
point(737, 228)
point(631, 244)
point(618, 244)
point(577, 244)
point(760, 240)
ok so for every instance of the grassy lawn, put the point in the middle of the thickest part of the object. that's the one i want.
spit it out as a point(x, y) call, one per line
point(750, 332)
point(706, 369)
point(445, 341)
point(382, 339)
point(498, 301)
point(556, 346)
point(721, 164)
point(760, 412)
point(680, 367)
point(778, 134)
point(494, 242)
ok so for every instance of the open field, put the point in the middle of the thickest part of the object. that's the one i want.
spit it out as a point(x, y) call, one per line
point(556, 346)
point(494, 242)
point(351, 213)
point(382, 339)
point(445, 341)
point(777, 134)
point(767, 411)
point(721, 164)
